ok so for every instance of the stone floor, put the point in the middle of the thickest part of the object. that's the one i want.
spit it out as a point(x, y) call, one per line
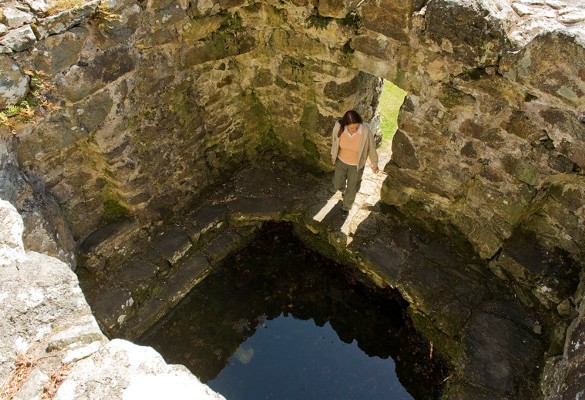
point(462, 307)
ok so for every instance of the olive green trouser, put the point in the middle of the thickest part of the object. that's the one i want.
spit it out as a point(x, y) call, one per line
point(347, 178)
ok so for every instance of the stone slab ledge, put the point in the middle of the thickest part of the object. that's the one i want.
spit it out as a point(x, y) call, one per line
point(47, 330)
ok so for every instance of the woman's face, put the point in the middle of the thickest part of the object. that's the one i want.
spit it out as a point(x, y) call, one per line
point(352, 128)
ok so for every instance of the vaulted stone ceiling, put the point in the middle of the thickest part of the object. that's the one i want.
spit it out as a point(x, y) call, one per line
point(154, 101)
point(148, 103)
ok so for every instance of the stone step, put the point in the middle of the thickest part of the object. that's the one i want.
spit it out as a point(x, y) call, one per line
point(450, 292)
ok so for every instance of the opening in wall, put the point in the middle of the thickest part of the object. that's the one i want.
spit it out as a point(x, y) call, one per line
point(391, 99)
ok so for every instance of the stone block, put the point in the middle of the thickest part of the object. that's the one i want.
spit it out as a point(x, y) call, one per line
point(93, 111)
point(16, 18)
point(11, 246)
point(218, 47)
point(83, 79)
point(388, 17)
point(434, 290)
point(549, 273)
point(121, 369)
point(189, 272)
point(33, 387)
point(19, 39)
point(40, 7)
point(521, 125)
point(403, 152)
point(257, 181)
point(452, 97)
point(172, 244)
point(205, 219)
point(551, 64)
point(480, 36)
point(59, 52)
point(256, 209)
point(222, 246)
point(386, 260)
point(334, 8)
point(337, 91)
point(111, 307)
point(231, 3)
point(84, 332)
point(152, 310)
point(65, 20)
point(106, 236)
point(371, 45)
point(140, 273)
point(496, 351)
point(558, 124)
point(40, 298)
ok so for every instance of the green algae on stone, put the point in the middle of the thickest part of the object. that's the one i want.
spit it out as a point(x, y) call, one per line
point(269, 142)
point(312, 150)
point(310, 119)
point(229, 40)
point(318, 21)
point(114, 205)
point(449, 348)
point(255, 115)
point(294, 70)
point(452, 97)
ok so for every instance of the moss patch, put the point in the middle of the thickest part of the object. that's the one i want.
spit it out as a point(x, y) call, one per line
point(269, 142)
point(452, 97)
point(448, 348)
point(312, 150)
point(255, 116)
point(318, 22)
point(114, 206)
point(310, 119)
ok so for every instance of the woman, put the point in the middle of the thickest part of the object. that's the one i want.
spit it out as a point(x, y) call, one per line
point(352, 144)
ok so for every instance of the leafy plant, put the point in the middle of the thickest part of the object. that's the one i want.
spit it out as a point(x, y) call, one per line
point(37, 98)
point(351, 20)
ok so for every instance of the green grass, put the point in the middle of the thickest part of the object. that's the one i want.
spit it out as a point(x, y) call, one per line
point(390, 102)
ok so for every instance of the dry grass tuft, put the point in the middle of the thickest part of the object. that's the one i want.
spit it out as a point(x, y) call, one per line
point(57, 379)
point(24, 366)
point(61, 5)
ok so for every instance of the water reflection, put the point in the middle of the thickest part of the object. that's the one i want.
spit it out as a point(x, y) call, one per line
point(296, 359)
point(278, 282)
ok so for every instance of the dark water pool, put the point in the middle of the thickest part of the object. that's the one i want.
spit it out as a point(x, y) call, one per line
point(280, 321)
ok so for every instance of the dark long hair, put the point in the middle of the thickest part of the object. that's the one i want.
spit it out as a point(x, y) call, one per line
point(350, 117)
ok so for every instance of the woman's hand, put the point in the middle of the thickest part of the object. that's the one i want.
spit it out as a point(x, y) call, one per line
point(375, 169)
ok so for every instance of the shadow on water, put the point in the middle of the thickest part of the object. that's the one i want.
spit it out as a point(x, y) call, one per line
point(268, 286)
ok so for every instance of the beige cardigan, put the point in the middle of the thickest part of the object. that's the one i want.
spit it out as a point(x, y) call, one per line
point(367, 146)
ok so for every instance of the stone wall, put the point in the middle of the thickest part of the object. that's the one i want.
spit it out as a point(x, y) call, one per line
point(157, 101)
point(51, 345)
point(490, 138)
point(146, 104)
point(185, 91)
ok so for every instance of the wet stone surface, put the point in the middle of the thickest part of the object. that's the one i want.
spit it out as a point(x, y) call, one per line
point(451, 292)
point(277, 276)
